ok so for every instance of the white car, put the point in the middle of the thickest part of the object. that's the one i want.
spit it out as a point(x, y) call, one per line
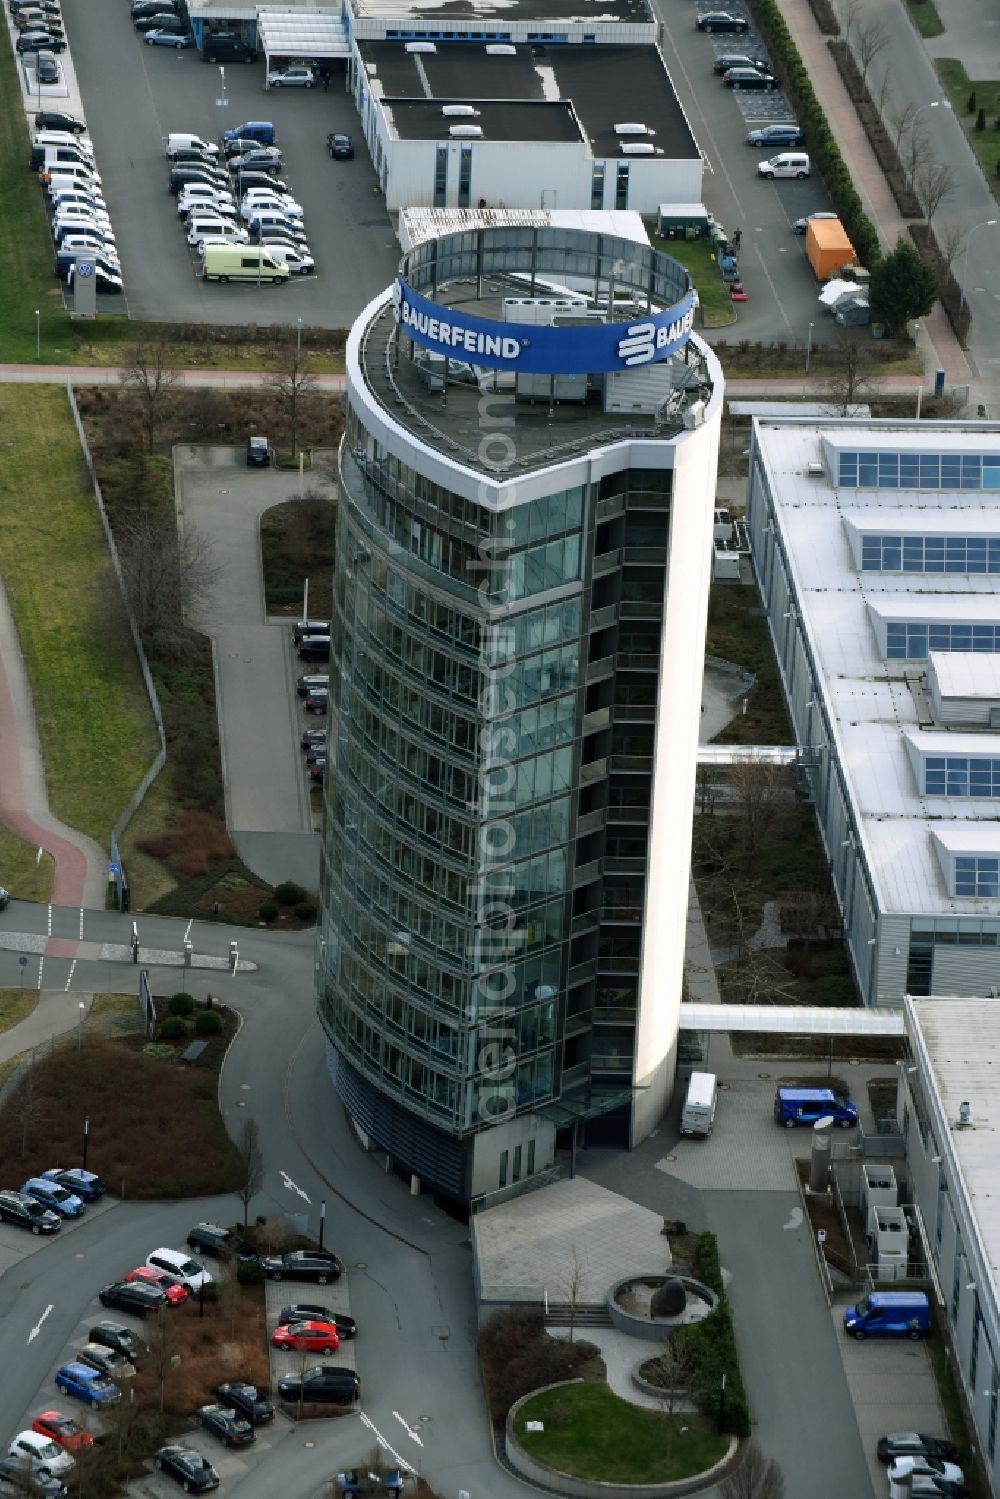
point(180, 141)
point(251, 207)
point(200, 226)
point(89, 244)
point(297, 257)
point(39, 1452)
point(81, 222)
point(221, 203)
point(88, 184)
point(181, 1268)
point(220, 239)
point(81, 208)
point(925, 1467)
point(291, 78)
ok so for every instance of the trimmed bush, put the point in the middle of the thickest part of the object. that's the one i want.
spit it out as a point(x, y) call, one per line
point(305, 911)
point(207, 1023)
point(173, 1028)
point(268, 911)
point(288, 893)
point(711, 1347)
point(181, 1004)
point(250, 1273)
point(980, 120)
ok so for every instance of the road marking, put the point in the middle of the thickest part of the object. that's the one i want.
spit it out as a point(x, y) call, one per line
point(81, 923)
point(794, 1219)
point(286, 1181)
point(408, 1429)
point(33, 1334)
point(400, 1461)
point(69, 976)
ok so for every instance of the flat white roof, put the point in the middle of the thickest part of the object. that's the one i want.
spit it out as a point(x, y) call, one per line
point(961, 1040)
point(872, 703)
point(950, 742)
point(417, 225)
point(970, 520)
point(967, 673)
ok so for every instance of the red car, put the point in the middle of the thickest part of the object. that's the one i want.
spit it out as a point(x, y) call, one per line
point(62, 1430)
point(175, 1294)
point(306, 1337)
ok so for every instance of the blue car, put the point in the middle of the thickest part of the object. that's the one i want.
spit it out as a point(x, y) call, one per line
point(87, 1384)
point(54, 1196)
point(84, 1184)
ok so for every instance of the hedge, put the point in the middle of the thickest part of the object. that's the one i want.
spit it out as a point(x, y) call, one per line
point(711, 1346)
point(823, 148)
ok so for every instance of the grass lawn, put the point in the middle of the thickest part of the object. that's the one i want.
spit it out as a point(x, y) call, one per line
point(925, 18)
point(25, 875)
point(695, 254)
point(16, 1005)
point(590, 1432)
point(93, 717)
point(155, 1126)
point(959, 87)
point(737, 632)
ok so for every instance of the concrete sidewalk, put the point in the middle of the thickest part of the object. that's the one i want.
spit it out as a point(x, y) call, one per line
point(55, 1013)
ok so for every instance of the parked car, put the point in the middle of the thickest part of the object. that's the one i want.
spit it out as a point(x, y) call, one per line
point(258, 452)
point(4, 898)
point(252, 1404)
point(749, 78)
point(306, 1337)
point(37, 1451)
point(40, 41)
point(168, 37)
point(142, 8)
point(251, 178)
point(323, 1384)
point(86, 1184)
point(305, 685)
point(16, 1479)
point(297, 77)
point(226, 47)
point(303, 1264)
point(225, 1424)
point(931, 1486)
point(309, 627)
point(727, 60)
point(160, 19)
point(794, 1106)
point(310, 1311)
point(87, 1384)
point(722, 20)
point(57, 119)
point(108, 282)
point(316, 753)
point(801, 225)
point(314, 648)
point(317, 702)
point(119, 1337)
point(63, 1430)
point(180, 1267)
point(915, 1444)
point(196, 171)
point(145, 1275)
point(222, 1243)
point(923, 1466)
point(51, 1195)
point(317, 770)
point(260, 158)
point(312, 738)
point(181, 140)
point(25, 1212)
point(257, 198)
point(136, 1297)
point(340, 146)
point(106, 1360)
point(775, 135)
point(193, 1472)
point(298, 258)
point(46, 68)
point(261, 131)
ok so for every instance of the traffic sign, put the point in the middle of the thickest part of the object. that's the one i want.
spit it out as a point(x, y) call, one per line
point(22, 961)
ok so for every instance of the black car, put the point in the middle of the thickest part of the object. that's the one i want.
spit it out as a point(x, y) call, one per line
point(303, 1264)
point(4, 898)
point(340, 146)
point(225, 1424)
point(54, 119)
point(161, 21)
point(195, 156)
point(40, 41)
point(25, 1212)
point(721, 20)
point(749, 78)
point(304, 627)
point(238, 146)
point(15, 1478)
point(85, 1184)
point(133, 1296)
point(247, 1400)
point(317, 702)
point(915, 1444)
point(313, 737)
point(227, 47)
point(46, 68)
point(309, 1311)
point(193, 172)
point(247, 180)
point(258, 452)
point(223, 1243)
point(50, 7)
point(143, 8)
point(188, 1468)
point(119, 1337)
point(727, 60)
point(323, 1384)
point(308, 684)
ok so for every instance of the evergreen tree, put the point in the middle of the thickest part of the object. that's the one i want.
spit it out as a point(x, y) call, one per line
point(903, 286)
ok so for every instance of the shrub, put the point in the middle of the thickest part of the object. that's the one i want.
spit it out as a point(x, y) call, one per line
point(181, 1003)
point(711, 1347)
point(288, 893)
point(268, 911)
point(981, 120)
point(305, 911)
point(250, 1273)
point(207, 1023)
point(519, 1356)
point(173, 1028)
point(970, 107)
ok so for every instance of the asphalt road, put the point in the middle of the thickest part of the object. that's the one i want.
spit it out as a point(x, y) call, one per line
point(135, 95)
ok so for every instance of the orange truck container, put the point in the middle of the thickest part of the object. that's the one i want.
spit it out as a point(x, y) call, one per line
point(828, 248)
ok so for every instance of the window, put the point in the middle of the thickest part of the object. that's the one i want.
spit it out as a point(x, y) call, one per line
point(465, 177)
point(597, 185)
point(881, 470)
point(441, 177)
point(977, 876)
point(529, 1169)
point(974, 1351)
point(956, 1287)
point(503, 1167)
point(517, 1163)
point(914, 640)
point(961, 775)
point(621, 185)
point(930, 554)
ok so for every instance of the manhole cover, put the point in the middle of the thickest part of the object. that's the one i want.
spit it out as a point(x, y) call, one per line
point(764, 1074)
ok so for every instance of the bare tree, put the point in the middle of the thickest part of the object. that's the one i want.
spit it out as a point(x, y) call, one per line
point(251, 1166)
point(28, 1108)
point(274, 1234)
point(674, 1370)
point(853, 377)
point(756, 1477)
point(951, 242)
point(872, 39)
point(900, 121)
point(914, 151)
point(852, 17)
point(230, 1296)
point(293, 382)
point(163, 1355)
point(167, 574)
point(150, 373)
point(758, 788)
point(934, 185)
point(571, 1284)
point(884, 95)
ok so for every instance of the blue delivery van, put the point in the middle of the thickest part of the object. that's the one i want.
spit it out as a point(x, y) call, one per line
point(890, 1314)
point(794, 1106)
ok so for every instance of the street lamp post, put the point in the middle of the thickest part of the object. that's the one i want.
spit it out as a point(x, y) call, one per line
point(298, 338)
point(986, 224)
point(38, 333)
point(809, 345)
point(86, 1141)
point(322, 1221)
point(79, 1029)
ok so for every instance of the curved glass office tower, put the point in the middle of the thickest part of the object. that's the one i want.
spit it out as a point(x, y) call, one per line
point(524, 553)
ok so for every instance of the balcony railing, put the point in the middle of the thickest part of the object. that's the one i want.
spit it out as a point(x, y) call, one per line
point(600, 718)
point(590, 822)
point(581, 972)
point(598, 671)
point(602, 619)
point(606, 562)
point(594, 770)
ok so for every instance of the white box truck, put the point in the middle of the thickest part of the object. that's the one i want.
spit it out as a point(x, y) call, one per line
point(698, 1113)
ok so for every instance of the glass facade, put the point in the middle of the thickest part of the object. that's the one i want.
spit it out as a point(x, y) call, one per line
point(921, 470)
point(913, 640)
point(977, 876)
point(930, 554)
point(961, 775)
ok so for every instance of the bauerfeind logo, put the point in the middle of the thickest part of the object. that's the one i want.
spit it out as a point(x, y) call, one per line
point(643, 341)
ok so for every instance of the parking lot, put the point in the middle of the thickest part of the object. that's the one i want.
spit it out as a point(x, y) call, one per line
point(777, 277)
point(135, 95)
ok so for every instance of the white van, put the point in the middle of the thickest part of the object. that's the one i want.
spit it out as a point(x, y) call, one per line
point(182, 142)
point(213, 225)
point(242, 263)
point(785, 164)
point(70, 171)
point(698, 1113)
point(64, 138)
